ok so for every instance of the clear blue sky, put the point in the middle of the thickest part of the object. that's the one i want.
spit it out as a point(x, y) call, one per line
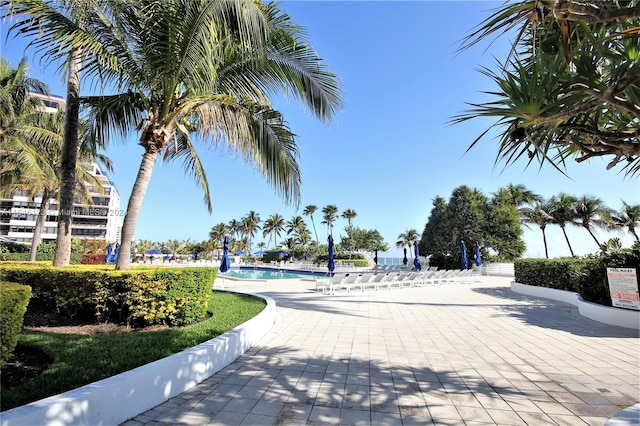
point(388, 153)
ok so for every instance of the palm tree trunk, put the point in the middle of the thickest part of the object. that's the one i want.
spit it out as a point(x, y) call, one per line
point(134, 206)
point(632, 229)
point(544, 240)
point(68, 162)
point(593, 236)
point(314, 229)
point(37, 231)
point(567, 239)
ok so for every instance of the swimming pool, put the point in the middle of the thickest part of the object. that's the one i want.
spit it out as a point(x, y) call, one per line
point(270, 274)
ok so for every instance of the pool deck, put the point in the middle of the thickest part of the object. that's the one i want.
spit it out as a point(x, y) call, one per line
point(454, 354)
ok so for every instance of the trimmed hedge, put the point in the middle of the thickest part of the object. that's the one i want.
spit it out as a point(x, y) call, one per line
point(586, 276)
point(13, 305)
point(139, 296)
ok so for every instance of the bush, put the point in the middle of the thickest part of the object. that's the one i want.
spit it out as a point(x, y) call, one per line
point(139, 296)
point(586, 276)
point(13, 305)
point(94, 259)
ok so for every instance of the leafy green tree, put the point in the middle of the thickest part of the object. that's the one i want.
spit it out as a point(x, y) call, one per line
point(434, 238)
point(366, 240)
point(570, 89)
point(310, 211)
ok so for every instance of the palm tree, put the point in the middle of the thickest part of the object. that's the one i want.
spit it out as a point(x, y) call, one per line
point(406, 239)
point(539, 213)
point(174, 247)
point(273, 227)
point(40, 175)
point(217, 234)
point(329, 215)
point(349, 214)
point(296, 226)
point(250, 225)
point(592, 212)
point(563, 211)
point(628, 217)
point(234, 226)
point(309, 211)
point(188, 68)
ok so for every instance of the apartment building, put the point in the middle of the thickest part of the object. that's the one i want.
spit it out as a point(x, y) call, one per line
point(101, 219)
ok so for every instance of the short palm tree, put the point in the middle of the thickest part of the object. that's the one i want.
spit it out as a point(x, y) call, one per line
point(406, 239)
point(310, 211)
point(296, 226)
point(217, 234)
point(250, 225)
point(628, 217)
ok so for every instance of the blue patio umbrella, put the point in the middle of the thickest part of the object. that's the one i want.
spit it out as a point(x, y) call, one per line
point(478, 257)
point(239, 252)
point(330, 264)
point(116, 251)
point(225, 263)
point(404, 259)
point(107, 258)
point(194, 254)
point(281, 252)
point(153, 251)
point(260, 253)
point(464, 262)
point(416, 261)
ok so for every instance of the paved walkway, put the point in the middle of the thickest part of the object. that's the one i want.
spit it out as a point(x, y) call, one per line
point(453, 354)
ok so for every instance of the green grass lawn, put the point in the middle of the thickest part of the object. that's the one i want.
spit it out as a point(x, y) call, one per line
point(83, 359)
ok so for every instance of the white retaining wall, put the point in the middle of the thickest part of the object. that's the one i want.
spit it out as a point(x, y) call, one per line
point(113, 400)
point(605, 314)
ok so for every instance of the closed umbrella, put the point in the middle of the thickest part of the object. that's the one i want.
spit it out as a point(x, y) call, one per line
point(375, 258)
point(225, 263)
point(108, 258)
point(463, 256)
point(416, 261)
point(116, 251)
point(477, 256)
point(405, 260)
point(330, 264)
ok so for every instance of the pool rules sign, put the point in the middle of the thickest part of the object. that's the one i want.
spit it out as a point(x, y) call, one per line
point(623, 286)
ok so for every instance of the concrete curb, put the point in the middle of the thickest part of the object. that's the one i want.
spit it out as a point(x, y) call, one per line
point(116, 399)
point(604, 314)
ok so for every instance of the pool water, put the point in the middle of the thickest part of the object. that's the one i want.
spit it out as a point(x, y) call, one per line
point(269, 274)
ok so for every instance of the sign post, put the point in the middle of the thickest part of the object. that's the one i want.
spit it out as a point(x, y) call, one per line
point(623, 287)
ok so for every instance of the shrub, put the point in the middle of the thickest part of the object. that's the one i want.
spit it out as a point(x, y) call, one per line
point(139, 296)
point(13, 305)
point(586, 276)
point(93, 259)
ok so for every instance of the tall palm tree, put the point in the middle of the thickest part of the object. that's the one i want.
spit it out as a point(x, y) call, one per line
point(628, 217)
point(592, 212)
point(217, 234)
point(296, 226)
point(349, 214)
point(235, 227)
point(538, 213)
point(40, 175)
point(310, 211)
point(563, 211)
point(186, 68)
point(250, 225)
point(273, 226)
point(329, 215)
